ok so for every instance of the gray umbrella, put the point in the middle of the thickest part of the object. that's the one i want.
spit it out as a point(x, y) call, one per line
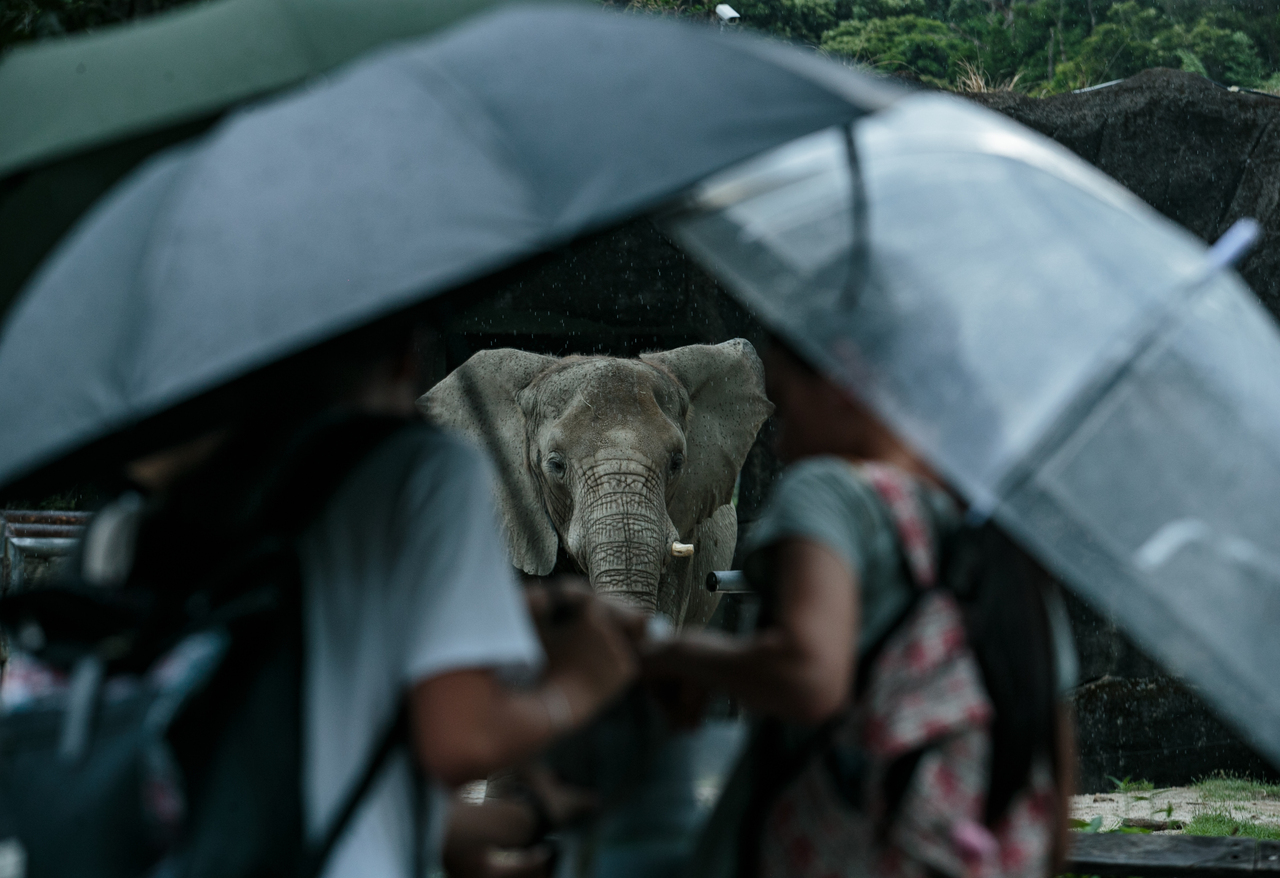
point(412, 172)
point(81, 111)
point(1079, 367)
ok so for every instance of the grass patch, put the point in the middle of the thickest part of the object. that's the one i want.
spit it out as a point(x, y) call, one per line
point(1129, 785)
point(1217, 823)
point(1232, 788)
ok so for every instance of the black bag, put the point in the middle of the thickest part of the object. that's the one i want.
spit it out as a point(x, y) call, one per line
point(188, 761)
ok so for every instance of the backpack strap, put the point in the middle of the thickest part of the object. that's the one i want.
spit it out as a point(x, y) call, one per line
point(915, 536)
point(315, 462)
point(308, 480)
point(919, 550)
point(213, 740)
point(917, 547)
point(314, 856)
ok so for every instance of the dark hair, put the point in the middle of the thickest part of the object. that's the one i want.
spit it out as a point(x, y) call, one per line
point(212, 510)
point(1002, 592)
point(778, 345)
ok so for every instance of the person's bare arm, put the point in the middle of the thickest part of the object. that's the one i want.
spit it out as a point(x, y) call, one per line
point(800, 668)
point(467, 723)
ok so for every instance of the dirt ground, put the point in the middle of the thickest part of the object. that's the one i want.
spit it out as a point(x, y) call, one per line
point(1165, 810)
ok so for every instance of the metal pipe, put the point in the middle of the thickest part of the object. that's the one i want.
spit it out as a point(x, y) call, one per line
point(728, 582)
point(44, 547)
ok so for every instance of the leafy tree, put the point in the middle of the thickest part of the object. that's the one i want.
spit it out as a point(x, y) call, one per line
point(864, 10)
point(800, 20)
point(924, 46)
point(1133, 39)
point(1046, 46)
point(1224, 55)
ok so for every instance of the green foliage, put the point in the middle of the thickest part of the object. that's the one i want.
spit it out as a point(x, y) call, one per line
point(1135, 37)
point(928, 48)
point(1222, 823)
point(1128, 785)
point(1129, 41)
point(1090, 826)
point(868, 9)
point(1224, 55)
point(800, 20)
point(1039, 46)
point(1223, 787)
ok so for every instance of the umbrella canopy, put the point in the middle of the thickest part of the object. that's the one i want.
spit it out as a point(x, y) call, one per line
point(1078, 366)
point(81, 111)
point(412, 172)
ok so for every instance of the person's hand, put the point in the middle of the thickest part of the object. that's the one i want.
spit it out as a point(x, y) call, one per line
point(631, 621)
point(663, 664)
point(494, 838)
point(552, 600)
point(590, 657)
point(488, 861)
point(531, 862)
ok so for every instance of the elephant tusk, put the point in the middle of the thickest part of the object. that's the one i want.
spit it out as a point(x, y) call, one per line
point(681, 550)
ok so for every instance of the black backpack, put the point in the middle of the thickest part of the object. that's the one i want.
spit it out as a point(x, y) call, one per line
point(177, 747)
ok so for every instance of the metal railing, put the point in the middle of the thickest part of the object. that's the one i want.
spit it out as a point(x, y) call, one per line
point(35, 544)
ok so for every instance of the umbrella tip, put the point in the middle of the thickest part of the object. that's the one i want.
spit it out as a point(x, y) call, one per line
point(1234, 243)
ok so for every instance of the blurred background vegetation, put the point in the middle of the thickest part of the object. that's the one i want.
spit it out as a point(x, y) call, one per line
point(1033, 46)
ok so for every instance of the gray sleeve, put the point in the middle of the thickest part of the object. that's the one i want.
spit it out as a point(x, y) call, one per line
point(823, 500)
point(461, 606)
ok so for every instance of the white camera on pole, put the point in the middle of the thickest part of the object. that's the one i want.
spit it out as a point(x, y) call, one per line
point(727, 14)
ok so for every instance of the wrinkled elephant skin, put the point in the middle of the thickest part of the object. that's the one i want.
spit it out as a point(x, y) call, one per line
point(607, 462)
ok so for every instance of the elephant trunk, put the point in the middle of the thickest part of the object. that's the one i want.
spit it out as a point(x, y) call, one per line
point(621, 533)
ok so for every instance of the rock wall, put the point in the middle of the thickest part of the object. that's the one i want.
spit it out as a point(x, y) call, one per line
point(1203, 156)
point(1134, 720)
point(1198, 153)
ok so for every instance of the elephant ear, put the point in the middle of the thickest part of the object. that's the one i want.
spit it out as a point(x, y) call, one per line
point(479, 399)
point(727, 405)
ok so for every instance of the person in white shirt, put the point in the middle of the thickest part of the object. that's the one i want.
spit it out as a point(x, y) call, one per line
point(408, 593)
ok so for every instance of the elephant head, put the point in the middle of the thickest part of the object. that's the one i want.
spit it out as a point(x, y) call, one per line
point(608, 462)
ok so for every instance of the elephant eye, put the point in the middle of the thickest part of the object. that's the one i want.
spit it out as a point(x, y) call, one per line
point(677, 463)
point(555, 465)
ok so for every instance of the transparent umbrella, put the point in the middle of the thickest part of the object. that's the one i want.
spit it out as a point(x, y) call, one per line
point(1079, 367)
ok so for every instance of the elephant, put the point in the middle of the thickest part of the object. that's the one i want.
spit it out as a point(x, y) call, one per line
point(622, 469)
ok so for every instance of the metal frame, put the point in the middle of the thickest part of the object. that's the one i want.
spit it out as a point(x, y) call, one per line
point(32, 534)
